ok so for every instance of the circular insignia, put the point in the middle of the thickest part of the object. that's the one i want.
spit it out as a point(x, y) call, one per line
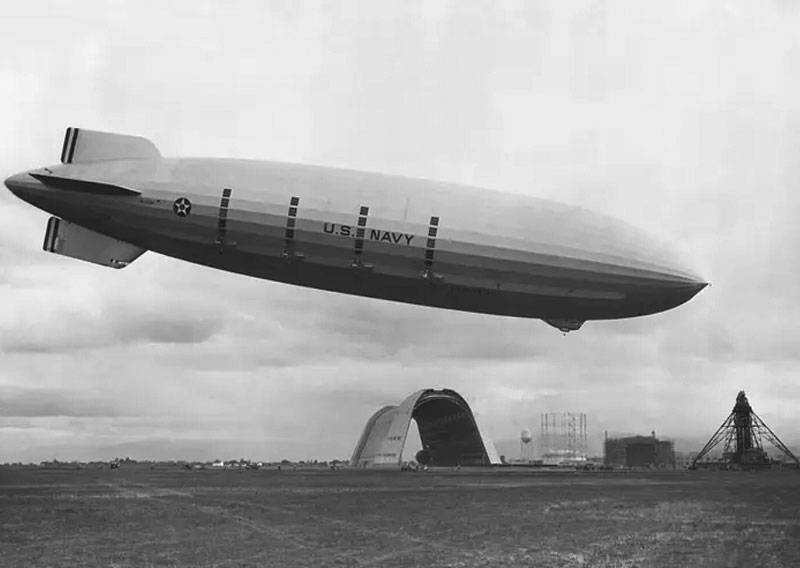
point(182, 207)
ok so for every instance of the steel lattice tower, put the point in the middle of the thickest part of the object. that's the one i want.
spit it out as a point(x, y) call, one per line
point(565, 432)
point(742, 433)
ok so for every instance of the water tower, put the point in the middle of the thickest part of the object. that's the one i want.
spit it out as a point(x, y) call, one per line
point(525, 438)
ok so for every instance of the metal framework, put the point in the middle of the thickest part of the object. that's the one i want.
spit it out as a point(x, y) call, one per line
point(565, 432)
point(742, 434)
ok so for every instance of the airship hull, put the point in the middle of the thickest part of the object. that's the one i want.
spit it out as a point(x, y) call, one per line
point(393, 238)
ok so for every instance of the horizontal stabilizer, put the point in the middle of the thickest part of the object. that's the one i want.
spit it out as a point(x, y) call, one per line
point(86, 186)
point(69, 239)
point(81, 146)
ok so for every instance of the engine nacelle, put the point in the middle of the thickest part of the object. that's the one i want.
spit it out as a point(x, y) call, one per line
point(565, 325)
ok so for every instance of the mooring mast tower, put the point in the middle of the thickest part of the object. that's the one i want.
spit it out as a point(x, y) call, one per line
point(742, 432)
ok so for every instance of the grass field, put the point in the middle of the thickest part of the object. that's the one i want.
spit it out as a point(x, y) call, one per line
point(135, 516)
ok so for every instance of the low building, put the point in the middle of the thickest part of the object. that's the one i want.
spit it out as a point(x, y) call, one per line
point(683, 460)
point(639, 451)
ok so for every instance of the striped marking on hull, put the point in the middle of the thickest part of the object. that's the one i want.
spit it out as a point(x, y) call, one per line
point(222, 217)
point(291, 221)
point(361, 227)
point(430, 247)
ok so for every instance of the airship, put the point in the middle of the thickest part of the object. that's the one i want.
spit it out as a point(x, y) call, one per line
point(113, 196)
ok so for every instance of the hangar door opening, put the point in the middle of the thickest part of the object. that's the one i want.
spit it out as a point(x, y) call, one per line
point(447, 430)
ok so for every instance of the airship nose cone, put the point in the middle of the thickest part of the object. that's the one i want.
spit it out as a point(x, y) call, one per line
point(681, 282)
point(699, 285)
point(648, 273)
point(668, 297)
point(666, 280)
point(690, 290)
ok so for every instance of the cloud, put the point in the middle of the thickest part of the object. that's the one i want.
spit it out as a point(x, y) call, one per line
point(169, 328)
point(66, 331)
point(18, 402)
point(57, 310)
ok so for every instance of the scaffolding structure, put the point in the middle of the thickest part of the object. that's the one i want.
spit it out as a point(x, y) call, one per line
point(742, 433)
point(564, 434)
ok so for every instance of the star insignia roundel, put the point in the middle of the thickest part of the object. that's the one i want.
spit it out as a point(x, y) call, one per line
point(182, 207)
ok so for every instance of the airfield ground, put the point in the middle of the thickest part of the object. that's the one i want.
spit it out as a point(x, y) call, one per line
point(135, 516)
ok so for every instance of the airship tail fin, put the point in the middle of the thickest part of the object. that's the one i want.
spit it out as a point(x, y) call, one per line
point(69, 239)
point(82, 146)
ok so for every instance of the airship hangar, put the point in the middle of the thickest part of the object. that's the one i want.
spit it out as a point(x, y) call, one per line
point(448, 431)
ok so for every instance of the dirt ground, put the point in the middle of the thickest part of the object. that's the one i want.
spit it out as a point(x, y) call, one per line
point(134, 516)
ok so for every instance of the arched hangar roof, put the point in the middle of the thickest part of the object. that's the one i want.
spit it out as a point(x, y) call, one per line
point(448, 431)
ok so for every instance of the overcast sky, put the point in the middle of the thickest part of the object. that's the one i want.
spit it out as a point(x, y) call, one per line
point(680, 118)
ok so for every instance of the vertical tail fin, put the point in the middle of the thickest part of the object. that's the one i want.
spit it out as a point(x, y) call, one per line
point(91, 146)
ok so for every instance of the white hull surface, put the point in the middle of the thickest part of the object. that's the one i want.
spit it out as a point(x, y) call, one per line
point(388, 237)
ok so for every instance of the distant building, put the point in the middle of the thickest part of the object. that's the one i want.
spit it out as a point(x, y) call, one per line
point(683, 460)
point(639, 451)
point(563, 457)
